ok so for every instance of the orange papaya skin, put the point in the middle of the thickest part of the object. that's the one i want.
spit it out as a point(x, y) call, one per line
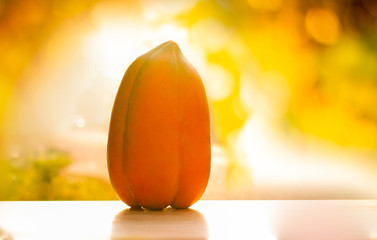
point(159, 149)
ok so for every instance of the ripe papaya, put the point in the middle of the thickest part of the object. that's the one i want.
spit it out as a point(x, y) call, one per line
point(159, 148)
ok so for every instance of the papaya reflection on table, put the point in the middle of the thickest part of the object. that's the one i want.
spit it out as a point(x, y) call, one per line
point(296, 219)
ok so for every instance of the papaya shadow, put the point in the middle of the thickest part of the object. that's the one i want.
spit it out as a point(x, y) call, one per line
point(156, 224)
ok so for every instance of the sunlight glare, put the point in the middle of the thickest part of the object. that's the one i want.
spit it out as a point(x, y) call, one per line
point(172, 32)
point(80, 122)
point(110, 48)
point(218, 81)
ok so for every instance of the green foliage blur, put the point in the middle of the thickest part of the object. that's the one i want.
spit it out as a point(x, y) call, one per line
point(42, 176)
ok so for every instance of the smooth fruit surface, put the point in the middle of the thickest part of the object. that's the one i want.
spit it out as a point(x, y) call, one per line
point(159, 150)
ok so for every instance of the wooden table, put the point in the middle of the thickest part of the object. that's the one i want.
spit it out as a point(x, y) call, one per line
point(263, 220)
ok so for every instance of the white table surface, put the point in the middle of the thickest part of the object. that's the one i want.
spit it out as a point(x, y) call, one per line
point(265, 220)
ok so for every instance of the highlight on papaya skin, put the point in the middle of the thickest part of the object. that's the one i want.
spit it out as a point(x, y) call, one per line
point(159, 149)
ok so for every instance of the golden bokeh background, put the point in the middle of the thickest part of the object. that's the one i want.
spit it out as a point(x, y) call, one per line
point(292, 89)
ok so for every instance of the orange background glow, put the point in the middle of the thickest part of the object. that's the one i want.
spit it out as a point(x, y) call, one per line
point(292, 90)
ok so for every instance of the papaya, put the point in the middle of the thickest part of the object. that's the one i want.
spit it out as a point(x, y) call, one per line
point(159, 147)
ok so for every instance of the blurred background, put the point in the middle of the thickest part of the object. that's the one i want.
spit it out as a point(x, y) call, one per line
point(292, 89)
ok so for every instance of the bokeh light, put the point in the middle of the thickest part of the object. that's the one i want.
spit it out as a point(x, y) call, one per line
point(323, 25)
